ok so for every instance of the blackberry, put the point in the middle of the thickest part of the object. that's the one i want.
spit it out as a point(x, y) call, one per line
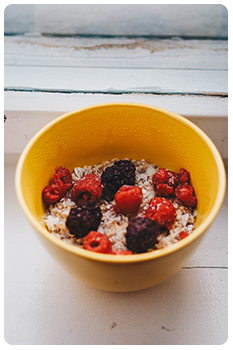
point(115, 176)
point(84, 218)
point(142, 234)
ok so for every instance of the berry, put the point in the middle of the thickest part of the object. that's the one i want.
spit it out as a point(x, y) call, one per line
point(164, 190)
point(115, 176)
point(84, 218)
point(128, 199)
point(97, 242)
point(61, 182)
point(184, 176)
point(63, 174)
point(165, 181)
point(89, 187)
point(186, 194)
point(53, 192)
point(183, 234)
point(173, 178)
point(161, 176)
point(121, 252)
point(162, 211)
point(141, 234)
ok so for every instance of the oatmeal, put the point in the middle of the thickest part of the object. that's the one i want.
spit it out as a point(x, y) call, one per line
point(152, 181)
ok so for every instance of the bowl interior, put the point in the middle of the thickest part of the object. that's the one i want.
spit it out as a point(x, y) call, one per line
point(102, 132)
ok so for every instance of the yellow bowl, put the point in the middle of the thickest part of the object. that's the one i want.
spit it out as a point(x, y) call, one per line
point(101, 132)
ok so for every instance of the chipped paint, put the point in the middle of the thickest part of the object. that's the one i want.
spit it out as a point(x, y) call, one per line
point(152, 45)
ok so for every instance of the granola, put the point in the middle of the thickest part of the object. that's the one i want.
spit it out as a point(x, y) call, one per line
point(114, 224)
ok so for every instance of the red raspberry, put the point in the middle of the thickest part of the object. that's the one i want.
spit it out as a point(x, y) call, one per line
point(164, 190)
point(53, 192)
point(186, 195)
point(162, 211)
point(64, 175)
point(173, 178)
point(183, 234)
point(121, 252)
point(161, 176)
point(165, 181)
point(128, 199)
point(184, 176)
point(89, 187)
point(97, 242)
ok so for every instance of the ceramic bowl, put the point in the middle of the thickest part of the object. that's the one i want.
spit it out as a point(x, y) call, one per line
point(101, 132)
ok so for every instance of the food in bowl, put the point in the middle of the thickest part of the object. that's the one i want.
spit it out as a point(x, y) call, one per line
point(93, 134)
point(120, 207)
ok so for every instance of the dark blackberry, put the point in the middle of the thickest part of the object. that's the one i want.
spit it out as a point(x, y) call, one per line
point(142, 234)
point(84, 218)
point(115, 176)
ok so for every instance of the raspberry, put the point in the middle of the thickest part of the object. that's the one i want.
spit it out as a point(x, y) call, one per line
point(183, 234)
point(115, 176)
point(186, 194)
point(63, 174)
point(84, 218)
point(53, 192)
point(121, 252)
point(97, 242)
point(184, 176)
point(61, 182)
point(165, 181)
point(162, 211)
point(89, 187)
point(141, 234)
point(173, 178)
point(128, 199)
point(164, 190)
point(161, 176)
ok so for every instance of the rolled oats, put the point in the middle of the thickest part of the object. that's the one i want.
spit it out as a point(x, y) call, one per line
point(114, 224)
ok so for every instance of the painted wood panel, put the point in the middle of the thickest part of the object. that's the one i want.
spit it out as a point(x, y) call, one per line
point(114, 80)
point(113, 65)
point(37, 50)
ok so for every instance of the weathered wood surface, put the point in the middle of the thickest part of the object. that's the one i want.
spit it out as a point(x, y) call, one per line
point(116, 65)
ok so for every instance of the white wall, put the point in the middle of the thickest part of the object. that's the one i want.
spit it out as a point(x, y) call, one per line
point(152, 20)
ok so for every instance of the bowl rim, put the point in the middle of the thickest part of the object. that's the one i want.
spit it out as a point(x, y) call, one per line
point(109, 258)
